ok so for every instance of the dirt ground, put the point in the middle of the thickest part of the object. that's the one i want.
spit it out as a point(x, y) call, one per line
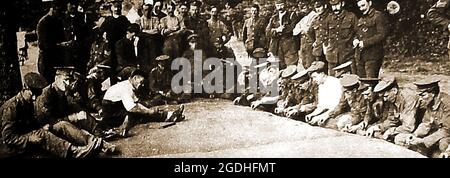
point(217, 128)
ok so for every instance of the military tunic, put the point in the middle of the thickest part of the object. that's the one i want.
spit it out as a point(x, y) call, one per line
point(339, 44)
point(372, 30)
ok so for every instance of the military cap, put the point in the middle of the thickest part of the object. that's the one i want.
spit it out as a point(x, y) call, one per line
point(372, 82)
point(134, 28)
point(345, 65)
point(385, 84)
point(35, 81)
point(316, 66)
point(299, 74)
point(280, 1)
point(64, 70)
point(318, 3)
point(349, 81)
point(162, 58)
point(259, 53)
point(427, 84)
point(289, 71)
point(148, 2)
point(332, 2)
point(192, 37)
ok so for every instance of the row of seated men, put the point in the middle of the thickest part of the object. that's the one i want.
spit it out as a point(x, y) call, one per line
point(56, 119)
point(370, 107)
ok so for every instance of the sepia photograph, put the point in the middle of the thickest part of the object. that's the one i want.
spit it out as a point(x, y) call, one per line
point(252, 79)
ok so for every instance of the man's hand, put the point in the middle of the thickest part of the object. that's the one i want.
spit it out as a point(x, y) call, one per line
point(47, 127)
point(255, 104)
point(361, 44)
point(323, 119)
point(34, 139)
point(371, 131)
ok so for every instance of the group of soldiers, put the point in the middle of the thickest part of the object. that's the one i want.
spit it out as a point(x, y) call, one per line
point(335, 83)
point(101, 74)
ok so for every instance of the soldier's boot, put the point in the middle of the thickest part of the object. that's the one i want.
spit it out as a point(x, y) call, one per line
point(176, 116)
point(85, 151)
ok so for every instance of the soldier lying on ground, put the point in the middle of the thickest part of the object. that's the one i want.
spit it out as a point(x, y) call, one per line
point(305, 97)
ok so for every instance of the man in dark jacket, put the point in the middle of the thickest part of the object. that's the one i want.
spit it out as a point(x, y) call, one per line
point(370, 36)
point(21, 132)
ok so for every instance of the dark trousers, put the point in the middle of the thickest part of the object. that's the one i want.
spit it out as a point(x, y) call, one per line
point(369, 68)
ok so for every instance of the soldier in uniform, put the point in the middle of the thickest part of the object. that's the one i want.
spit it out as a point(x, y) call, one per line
point(431, 137)
point(150, 25)
point(51, 41)
point(253, 31)
point(21, 132)
point(115, 27)
point(280, 31)
point(196, 24)
point(302, 29)
point(305, 101)
point(287, 92)
point(98, 81)
point(318, 31)
point(370, 36)
point(341, 25)
point(53, 104)
point(352, 108)
point(217, 29)
point(391, 112)
point(76, 31)
point(439, 14)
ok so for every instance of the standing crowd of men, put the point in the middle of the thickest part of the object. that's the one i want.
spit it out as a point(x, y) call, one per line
point(101, 74)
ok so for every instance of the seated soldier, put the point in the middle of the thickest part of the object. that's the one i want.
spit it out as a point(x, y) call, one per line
point(21, 132)
point(390, 111)
point(431, 136)
point(287, 95)
point(122, 105)
point(305, 93)
point(54, 105)
point(329, 93)
point(352, 107)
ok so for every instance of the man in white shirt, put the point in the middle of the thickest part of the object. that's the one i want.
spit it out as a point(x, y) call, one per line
point(329, 95)
point(120, 104)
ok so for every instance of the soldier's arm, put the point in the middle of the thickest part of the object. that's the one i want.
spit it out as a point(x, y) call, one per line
point(9, 131)
point(442, 122)
point(380, 36)
point(436, 14)
point(408, 116)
